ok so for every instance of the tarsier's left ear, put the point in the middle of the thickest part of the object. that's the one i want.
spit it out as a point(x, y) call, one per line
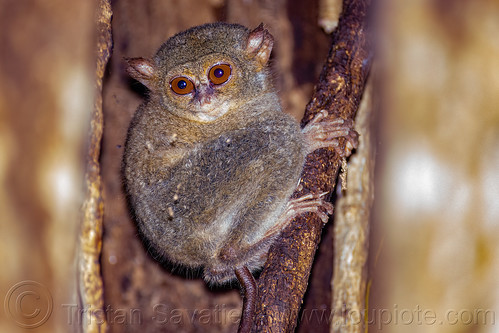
point(141, 70)
point(259, 45)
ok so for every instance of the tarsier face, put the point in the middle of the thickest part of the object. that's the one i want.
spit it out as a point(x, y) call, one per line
point(203, 89)
point(203, 73)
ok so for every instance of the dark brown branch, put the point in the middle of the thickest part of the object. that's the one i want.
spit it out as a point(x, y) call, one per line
point(284, 279)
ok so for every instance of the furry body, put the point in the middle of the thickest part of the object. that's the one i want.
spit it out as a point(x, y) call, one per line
point(209, 175)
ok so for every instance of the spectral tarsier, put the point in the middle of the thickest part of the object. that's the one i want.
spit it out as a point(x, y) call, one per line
point(211, 160)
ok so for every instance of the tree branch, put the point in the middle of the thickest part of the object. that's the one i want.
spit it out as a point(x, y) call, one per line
point(284, 279)
point(91, 286)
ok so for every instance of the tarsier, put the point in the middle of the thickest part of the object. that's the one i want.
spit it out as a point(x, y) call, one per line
point(211, 160)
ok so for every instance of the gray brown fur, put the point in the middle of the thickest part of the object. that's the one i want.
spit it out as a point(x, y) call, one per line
point(204, 193)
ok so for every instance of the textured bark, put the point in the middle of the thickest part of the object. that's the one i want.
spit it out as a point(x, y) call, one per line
point(47, 65)
point(284, 279)
point(351, 229)
point(91, 286)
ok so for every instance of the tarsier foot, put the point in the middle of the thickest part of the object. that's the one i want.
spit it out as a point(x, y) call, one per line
point(322, 133)
point(310, 203)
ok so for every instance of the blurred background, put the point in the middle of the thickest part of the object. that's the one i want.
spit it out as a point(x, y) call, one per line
point(434, 246)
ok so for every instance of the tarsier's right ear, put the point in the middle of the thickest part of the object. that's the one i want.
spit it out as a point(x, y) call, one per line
point(142, 70)
point(259, 45)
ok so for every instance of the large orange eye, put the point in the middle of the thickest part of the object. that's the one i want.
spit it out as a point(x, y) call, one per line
point(181, 85)
point(219, 74)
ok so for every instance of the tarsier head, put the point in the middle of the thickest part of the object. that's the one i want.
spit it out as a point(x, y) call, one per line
point(203, 73)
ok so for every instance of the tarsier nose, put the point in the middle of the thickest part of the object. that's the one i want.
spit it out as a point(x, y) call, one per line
point(204, 94)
